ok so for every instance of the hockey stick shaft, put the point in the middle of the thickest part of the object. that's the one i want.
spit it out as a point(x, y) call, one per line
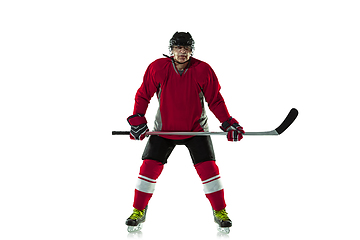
point(290, 118)
point(196, 133)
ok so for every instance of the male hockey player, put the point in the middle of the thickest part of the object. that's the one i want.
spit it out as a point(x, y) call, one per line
point(181, 84)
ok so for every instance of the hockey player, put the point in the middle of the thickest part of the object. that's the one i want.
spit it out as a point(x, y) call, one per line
point(181, 84)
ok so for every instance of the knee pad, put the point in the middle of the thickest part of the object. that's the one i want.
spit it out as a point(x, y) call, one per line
point(209, 174)
point(150, 170)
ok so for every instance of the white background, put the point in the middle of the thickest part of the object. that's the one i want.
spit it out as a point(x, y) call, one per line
point(69, 73)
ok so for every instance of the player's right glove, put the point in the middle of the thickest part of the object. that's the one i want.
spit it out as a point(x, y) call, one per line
point(235, 131)
point(138, 126)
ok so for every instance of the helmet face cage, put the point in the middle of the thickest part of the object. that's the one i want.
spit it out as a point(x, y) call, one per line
point(182, 39)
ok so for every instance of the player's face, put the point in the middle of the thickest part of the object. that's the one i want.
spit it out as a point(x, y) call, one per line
point(181, 53)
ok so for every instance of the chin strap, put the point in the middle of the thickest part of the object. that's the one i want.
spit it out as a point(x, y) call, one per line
point(172, 59)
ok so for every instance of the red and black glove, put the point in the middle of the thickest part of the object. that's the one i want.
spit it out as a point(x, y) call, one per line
point(235, 131)
point(138, 126)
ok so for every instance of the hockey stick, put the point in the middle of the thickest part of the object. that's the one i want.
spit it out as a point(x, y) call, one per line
point(290, 118)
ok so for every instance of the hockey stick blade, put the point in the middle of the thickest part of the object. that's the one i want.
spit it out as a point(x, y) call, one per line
point(290, 118)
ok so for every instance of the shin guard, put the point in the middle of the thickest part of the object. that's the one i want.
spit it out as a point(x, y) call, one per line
point(150, 170)
point(209, 173)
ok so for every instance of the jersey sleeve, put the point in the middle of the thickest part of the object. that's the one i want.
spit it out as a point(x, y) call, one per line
point(211, 89)
point(145, 92)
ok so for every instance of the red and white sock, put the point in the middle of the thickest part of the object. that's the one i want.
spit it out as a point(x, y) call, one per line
point(209, 173)
point(150, 170)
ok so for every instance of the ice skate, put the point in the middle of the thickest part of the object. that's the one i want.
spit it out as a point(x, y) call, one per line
point(223, 221)
point(135, 221)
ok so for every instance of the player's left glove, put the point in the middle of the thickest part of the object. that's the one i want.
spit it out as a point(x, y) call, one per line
point(235, 131)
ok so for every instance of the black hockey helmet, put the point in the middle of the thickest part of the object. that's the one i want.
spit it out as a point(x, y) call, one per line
point(182, 39)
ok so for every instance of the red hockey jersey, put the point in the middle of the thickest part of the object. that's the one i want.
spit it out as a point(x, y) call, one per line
point(181, 97)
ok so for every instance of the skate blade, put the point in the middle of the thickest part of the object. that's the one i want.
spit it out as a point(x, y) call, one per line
point(225, 230)
point(134, 228)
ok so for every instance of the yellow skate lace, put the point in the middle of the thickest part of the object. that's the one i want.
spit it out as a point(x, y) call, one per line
point(222, 214)
point(137, 214)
